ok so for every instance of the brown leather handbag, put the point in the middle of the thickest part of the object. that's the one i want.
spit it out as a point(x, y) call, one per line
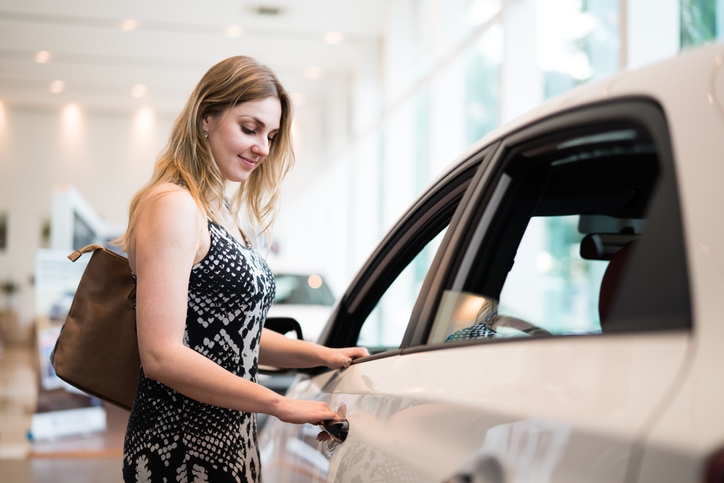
point(97, 349)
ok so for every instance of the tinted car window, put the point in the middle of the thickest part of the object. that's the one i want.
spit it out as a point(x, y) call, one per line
point(580, 236)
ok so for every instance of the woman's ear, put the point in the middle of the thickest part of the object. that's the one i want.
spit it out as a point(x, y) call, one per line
point(206, 123)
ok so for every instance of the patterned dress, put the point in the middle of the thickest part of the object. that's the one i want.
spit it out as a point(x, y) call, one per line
point(172, 438)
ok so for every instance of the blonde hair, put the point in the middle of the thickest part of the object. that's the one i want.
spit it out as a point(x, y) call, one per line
point(186, 160)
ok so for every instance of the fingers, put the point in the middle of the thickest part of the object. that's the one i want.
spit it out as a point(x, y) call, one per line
point(301, 411)
point(324, 413)
point(351, 354)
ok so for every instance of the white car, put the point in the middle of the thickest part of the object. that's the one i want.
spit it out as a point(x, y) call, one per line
point(304, 296)
point(569, 321)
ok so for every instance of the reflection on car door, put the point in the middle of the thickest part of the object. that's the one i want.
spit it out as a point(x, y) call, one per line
point(536, 351)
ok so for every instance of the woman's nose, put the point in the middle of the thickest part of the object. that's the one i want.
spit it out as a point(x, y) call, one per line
point(261, 147)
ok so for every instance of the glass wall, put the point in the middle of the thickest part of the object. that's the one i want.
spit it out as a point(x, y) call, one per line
point(702, 21)
point(578, 41)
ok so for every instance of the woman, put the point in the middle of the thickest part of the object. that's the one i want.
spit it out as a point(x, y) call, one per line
point(202, 291)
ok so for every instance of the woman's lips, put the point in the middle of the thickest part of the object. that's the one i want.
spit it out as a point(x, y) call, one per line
point(247, 162)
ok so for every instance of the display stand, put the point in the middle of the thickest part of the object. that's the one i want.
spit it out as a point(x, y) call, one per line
point(63, 410)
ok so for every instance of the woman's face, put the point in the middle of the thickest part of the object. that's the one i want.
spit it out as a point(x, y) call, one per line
point(241, 136)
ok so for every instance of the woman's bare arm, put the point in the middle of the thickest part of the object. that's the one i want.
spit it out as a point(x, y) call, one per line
point(281, 351)
point(170, 236)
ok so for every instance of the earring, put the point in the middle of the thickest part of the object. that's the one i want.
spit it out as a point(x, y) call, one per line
point(206, 134)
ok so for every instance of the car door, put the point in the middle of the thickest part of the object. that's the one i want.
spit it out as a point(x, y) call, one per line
point(373, 312)
point(539, 348)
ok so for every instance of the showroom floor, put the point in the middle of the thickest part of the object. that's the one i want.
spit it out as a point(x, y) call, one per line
point(91, 458)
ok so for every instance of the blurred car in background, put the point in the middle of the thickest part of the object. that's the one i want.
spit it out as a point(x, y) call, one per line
point(304, 296)
point(549, 309)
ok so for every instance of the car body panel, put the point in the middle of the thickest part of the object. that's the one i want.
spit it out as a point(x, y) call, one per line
point(639, 406)
point(690, 426)
point(686, 427)
point(481, 413)
point(290, 452)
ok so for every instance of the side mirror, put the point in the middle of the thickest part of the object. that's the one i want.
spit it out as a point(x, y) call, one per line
point(284, 325)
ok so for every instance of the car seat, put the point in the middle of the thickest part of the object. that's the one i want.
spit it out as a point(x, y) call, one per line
point(611, 281)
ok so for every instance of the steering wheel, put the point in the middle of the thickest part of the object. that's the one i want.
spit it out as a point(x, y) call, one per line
point(507, 321)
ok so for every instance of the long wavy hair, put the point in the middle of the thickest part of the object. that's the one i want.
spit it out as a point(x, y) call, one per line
point(187, 160)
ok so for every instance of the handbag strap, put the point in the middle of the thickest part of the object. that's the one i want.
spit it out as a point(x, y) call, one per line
point(92, 248)
point(88, 248)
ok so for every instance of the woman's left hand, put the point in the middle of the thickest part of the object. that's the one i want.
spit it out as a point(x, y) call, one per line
point(342, 358)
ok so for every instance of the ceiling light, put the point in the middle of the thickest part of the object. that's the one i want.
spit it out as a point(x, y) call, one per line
point(312, 72)
point(129, 24)
point(42, 57)
point(57, 86)
point(139, 90)
point(333, 37)
point(233, 31)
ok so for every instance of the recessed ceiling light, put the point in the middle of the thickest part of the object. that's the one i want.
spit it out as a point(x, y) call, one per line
point(233, 31)
point(129, 24)
point(57, 86)
point(333, 37)
point(312, 72)
point(41, 57)
point(139, 90)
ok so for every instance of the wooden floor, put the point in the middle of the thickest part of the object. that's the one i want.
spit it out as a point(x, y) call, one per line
point(91, 458)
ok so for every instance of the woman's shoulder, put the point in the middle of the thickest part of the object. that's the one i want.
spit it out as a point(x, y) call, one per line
point(170, 199)
point(164, 188)
point(170, 220)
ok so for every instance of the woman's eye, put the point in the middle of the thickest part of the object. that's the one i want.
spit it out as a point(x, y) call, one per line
point(271, 140)
point(247, 130)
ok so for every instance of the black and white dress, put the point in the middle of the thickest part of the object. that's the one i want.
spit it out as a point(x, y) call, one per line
point(172, 438)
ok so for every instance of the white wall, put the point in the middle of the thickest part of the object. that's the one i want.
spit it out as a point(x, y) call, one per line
point(103, 157)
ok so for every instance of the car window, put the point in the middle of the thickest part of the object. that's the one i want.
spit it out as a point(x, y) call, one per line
point(377, 310)
point(583, 237)
point(551, 284)
point(386, 324)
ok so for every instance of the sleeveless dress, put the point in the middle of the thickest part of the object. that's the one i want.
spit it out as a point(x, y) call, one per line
point(173, 438)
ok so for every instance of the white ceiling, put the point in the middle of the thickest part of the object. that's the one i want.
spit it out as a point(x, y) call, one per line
point(175, 41)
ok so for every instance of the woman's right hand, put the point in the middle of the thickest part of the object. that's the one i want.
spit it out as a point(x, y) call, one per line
point(302, 411)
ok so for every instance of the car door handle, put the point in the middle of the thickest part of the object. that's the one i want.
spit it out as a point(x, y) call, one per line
point(337, 429)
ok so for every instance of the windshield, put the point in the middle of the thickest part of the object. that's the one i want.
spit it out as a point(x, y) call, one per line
point(302, 289)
